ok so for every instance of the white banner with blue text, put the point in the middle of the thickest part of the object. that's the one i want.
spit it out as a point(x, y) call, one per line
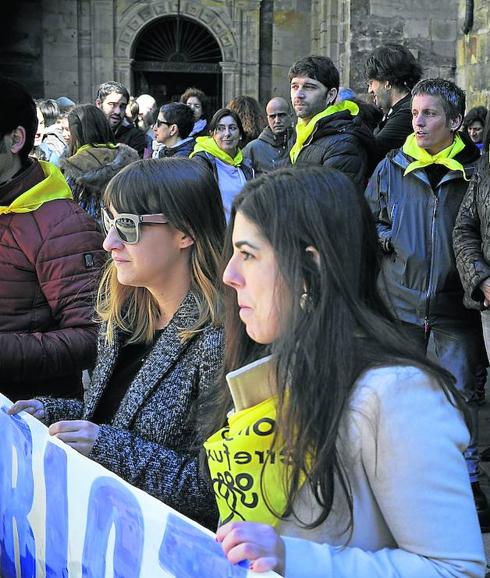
point(63, 515)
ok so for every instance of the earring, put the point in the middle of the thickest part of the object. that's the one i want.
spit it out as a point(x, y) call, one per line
point(304, 301)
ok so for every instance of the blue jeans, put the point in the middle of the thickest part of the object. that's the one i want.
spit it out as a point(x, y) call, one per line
point(459, 350)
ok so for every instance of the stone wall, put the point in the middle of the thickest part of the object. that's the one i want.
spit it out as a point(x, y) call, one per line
point(291, 40)
point(21, 47)
point(473, 55)
point(67, 47)
point(428, 29)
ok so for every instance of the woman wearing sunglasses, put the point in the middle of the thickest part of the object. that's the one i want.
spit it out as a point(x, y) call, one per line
point(345, 443)
point(160, 339)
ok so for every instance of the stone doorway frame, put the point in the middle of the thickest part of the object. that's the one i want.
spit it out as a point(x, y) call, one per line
point(140, 15)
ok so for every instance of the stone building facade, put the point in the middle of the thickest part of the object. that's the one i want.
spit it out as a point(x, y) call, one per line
point(230, 47)
point(473, 53)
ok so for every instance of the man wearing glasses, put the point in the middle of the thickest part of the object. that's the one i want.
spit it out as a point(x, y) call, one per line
point(50, 257)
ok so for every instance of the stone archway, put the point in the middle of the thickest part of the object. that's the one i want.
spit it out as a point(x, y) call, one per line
point(173, 53)
point(140, 16)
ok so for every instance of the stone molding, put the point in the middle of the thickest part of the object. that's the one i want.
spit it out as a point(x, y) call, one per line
point(138, 16)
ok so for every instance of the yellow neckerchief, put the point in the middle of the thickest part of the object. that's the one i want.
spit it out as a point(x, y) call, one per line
point(208, 145)
point(51, 188)
point(304, 130)
point(86, 147)
point(424, 159)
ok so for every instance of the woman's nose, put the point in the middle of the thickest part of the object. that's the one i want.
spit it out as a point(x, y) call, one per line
point(231, 276)
point(112, 241)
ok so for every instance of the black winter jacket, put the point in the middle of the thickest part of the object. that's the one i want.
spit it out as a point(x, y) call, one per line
point(131, 136)
point(183, 149)
point(343, 142)
point(419, 280)
point(393, 130)
point(472, 235)
point(268, 151)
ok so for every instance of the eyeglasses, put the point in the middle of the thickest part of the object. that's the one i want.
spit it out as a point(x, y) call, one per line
point(127, 226)
point(158, 123)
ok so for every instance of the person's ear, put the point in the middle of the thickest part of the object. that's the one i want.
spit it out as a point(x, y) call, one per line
point(185, 241)
point(313, 254)
point(18, 139)
point(98, 103)
point(455, 123)
point(332, 96)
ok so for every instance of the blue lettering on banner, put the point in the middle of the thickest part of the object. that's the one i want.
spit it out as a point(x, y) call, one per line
point(56, 512)
point(16, 501)
point(188, 552)
point(110, 503)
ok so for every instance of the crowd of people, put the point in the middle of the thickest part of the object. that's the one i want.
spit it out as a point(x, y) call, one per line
point(280, 313)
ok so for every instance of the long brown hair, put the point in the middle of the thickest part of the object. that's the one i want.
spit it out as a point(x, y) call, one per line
point(343, 330)
point(188, 196)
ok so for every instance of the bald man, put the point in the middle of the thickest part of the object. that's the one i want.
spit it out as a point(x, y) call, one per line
point(273, 144)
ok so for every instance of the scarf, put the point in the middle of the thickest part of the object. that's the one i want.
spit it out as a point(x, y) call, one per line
point(208, 145)
point(305, 130)
point(424, 159)
point(51, 188)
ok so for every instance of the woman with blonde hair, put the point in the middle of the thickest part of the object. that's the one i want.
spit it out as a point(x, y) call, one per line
point(160, 338)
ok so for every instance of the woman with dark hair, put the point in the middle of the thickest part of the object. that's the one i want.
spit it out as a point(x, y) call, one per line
point(343, 437)
point(93, 157)
point(474, 123)
point(221, 154)
point(160, 338)
point(251, 114)
point(198, 102)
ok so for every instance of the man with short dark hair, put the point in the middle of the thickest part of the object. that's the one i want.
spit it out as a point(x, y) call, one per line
point(328, 134)
point(172, 129)
point(415, 194)
point(50, 257)
point(391, 72)
point(112, 99)
point(268, 151)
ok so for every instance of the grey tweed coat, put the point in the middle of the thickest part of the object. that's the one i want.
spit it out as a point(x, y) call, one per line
point(151, 441)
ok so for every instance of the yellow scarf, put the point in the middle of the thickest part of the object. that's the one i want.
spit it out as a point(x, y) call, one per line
point(305, 130)
point(208, 145)
point(86, 147)
point(424, 159)
point(52, 187)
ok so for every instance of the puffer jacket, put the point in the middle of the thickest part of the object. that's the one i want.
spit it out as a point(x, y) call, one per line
point(268, 151)
point(341, 141)
point(50, 260)
point(419, 280)
point(471, 235)
point(89, 171)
